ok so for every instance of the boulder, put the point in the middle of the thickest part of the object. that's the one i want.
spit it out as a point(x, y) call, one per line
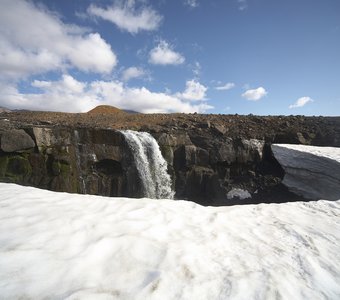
point(48, 137)
point(16, 140)
point(220, 129)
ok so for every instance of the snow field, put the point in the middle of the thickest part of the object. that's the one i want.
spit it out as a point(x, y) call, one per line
point(67, 246)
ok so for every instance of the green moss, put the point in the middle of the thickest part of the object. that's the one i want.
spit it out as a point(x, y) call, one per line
point(42, 149)
point(18, 168)
point(60, 168)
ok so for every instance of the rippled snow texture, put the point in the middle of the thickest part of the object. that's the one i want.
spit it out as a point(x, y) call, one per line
point(63, 246)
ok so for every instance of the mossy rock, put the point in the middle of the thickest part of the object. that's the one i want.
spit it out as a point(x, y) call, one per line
point(17, 169)
point(60, 168)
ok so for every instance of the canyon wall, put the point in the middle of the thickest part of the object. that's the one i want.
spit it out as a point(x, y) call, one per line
point(205, 164)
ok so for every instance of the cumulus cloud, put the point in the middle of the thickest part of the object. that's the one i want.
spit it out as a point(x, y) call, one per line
point(132, 72)
point(225, 87)
point(66, 94)
point(163, 54)
point(301, 102)
point(255, 94)
point(33, 40)
point(126, 16)
point(66, 85)
point(191, 3)
point(70, 95)
point(194, 91)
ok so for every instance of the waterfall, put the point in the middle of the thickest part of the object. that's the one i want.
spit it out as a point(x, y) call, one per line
point(150, 164)
point(82, 185)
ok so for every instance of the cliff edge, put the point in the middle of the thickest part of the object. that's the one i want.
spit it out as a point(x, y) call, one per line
point(212, 159)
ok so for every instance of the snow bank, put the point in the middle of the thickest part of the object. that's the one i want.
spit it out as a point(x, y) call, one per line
point(63, 246)
point(238, 193)
point(332, 153)
point(312, 172)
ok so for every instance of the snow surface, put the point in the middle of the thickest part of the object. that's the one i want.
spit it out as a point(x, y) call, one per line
point(313, 172)
point(329, 152)
point(68, 246)
point(238, 193)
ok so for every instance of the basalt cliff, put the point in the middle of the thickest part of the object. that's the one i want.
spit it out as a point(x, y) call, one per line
point(212, 159)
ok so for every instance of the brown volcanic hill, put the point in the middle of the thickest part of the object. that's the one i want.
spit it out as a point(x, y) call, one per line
point(106, 109)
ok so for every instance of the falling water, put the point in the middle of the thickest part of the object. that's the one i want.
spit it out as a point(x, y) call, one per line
point(82, 186)
point(151, 165)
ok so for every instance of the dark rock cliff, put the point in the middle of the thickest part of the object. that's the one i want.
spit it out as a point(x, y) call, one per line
point(207, 161)
point(70, 160)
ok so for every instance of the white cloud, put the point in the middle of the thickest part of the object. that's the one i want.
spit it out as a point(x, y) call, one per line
point(194, 91)
point(225, 87)
point(66, 85)
point(126, 16)
point(132, 72)
point(34, 40)
point(191, 3)
point(71, 95)
point(163, 54)
point(301, 102)
point(255, 94)
point(66, 94)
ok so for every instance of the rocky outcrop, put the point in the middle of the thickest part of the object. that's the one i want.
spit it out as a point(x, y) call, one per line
point(72, 160)
point(203, 168)
point(16, 140)
point(211, 159)
point(309, 172)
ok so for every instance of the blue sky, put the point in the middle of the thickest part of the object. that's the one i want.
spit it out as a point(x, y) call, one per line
point(220, 56)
